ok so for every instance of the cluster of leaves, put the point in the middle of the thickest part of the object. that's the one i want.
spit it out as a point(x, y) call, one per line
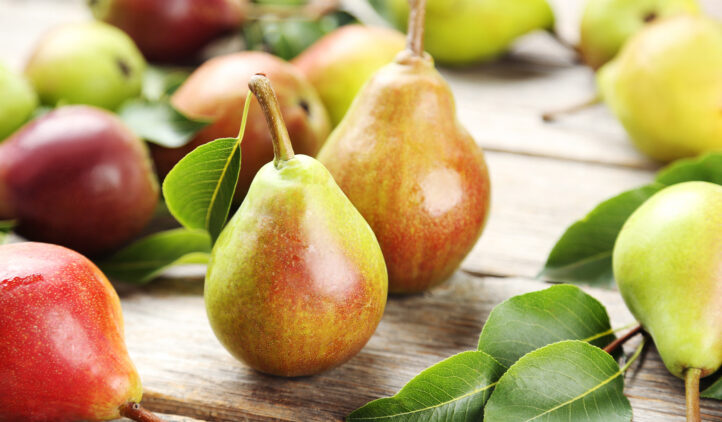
point(583, 255)
point(538, 356)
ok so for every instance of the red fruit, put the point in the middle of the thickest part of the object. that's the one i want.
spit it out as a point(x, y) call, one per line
point(171, 30)
point(217, 91)
point(61, 338)
point(77, 177)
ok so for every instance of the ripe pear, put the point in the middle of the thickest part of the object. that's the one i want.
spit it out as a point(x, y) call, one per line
point(217, 91)
point(171, 30)
point(296, 283)
point(411, 169)
point(668, 266)
point(665, 87)
point(607, 24)
point(63, 354)
point(86, 63)
point(341, 62)
point(462, 32)
point(17, 102)
point(79, 177)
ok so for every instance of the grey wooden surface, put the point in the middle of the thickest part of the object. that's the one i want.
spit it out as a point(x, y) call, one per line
point(544, 177)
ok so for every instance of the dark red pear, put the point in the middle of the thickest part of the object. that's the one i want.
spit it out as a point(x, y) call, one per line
point(77, 177)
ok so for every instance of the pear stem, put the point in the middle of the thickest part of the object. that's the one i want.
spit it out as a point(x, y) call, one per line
point(415, 36)
point(551, 116)
point(691, 386)
point(136, 412)
point(282, 147)
point(621, 340)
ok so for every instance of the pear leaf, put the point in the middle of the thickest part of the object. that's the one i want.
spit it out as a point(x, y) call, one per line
point(159, 122)
point(199, 189)
point(529, 321)
point(566, 381)
point(453, 390)
point(161, 82)
point(584, 252)
point(706, 168)
point(714, 391)
point(147, 258)
point(5, 227)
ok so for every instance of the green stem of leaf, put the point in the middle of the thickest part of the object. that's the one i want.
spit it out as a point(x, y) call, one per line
point(691, 387)
point(621, 340)
point(282, 147)
point(635, 356)
point(246, 106)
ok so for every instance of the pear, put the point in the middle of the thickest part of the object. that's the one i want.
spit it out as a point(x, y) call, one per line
point(607, 24)
point(17, 102)
point(296, 282)
point(461, 32)
point(87, 63)
point(665, 87)
point(668, 266)
point(411, 169)
point(63, 354)
point(341, 62)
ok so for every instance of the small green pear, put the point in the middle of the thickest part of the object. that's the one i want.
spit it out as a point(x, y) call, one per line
point(296, 283)
point(668, 266)
point(665, 87)
point(17, 102)
point(88, 63)
point(462, 32)
point(607, 24)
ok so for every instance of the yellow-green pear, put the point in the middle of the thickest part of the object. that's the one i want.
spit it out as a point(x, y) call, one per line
point(665, 87)
point(87, 63)
point(17, 101)
point(460, 32)
point(607, 24)
point(668, 266)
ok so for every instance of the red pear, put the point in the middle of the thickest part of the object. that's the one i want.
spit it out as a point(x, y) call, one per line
point(171, 30)
point(61, 339)
point(217, 91)
point(77, 177)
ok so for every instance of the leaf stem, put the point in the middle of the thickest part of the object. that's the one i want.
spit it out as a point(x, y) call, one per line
point(691, 387)
point(415, 35)
point(246, 106)
point(621, 340)
point(551, 116)
point(136, 412)
point(634, 356)
point(282, 147)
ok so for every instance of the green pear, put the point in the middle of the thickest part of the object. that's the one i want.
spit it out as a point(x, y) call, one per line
point(460, 32)
point(665, 87)
point(17, 102)
point(88, 63)
point(296, 283)
point(341, 62)
point(411, 169)
point(607, 24)
point(668, 266)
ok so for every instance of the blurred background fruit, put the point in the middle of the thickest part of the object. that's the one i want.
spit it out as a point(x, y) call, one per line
point(17, 102)
point(171, 30)
point(87, 63)
point(77, 177)
point(217, 91)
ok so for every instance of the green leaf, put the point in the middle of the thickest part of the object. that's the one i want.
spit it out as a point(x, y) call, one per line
point(566, 381)
point(714, 391)
point(158, 122)
point(148, 257)
point(161, 82)
point(707, 168)
point(584, 252)
point(453, 390)
point(527, 322)
point(6, 227)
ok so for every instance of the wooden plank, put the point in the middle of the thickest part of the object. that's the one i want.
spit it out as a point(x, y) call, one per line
point(187, 372)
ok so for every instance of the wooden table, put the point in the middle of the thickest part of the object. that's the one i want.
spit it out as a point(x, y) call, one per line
point(544, 177)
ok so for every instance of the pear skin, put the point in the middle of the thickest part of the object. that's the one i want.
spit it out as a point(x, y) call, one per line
point(296, 283)
point(63, 354)
point(17, 102)
point(668, 266)
point(665, 87)
point(607, 24)
point(412, 170)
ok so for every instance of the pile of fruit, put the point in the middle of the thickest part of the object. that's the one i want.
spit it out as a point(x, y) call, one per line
point(396, 197)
